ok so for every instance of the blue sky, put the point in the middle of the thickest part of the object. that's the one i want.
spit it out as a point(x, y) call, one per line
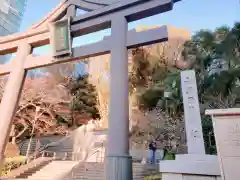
point(190, 14)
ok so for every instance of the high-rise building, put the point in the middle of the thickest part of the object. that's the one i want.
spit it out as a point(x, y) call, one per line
point(11, 15)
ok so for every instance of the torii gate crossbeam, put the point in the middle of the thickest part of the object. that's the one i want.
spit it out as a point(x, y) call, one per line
point(134, 39)
point(115, 16)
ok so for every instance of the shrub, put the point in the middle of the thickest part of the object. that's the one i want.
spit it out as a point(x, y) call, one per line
point(155, 177)
point(12, 163)
point(169, 156)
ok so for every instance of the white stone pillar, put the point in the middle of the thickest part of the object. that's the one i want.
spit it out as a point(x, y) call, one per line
point(12, 93)
point(192, 117)
point(119, 162)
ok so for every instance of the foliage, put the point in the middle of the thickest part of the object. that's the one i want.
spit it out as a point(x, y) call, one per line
point(216, 60)
point(140, 73)
point(154, 70)
point(208, 135)
point(169, 156)
point(154, 177)
point(84, 97)
point(12, 163)
point(148, 100)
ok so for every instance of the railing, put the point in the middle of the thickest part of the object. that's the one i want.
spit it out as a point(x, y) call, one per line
point(70, 156)
point(54, 144)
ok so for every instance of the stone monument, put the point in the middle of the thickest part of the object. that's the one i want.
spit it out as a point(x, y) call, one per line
point(226, 124)
point(195, 165)
point(192, 117)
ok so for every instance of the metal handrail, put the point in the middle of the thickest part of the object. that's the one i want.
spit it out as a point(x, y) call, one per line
point(65, 155)
point(55, 143)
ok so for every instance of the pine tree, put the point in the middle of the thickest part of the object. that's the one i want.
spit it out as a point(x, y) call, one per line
point(84, 97)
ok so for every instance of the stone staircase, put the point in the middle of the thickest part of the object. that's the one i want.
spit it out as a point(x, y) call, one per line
point(33, 170)
point(73, 170)
point(95, 171)
point(81, 158)
point(30, 168)
point(142, 170)
point(56, 170)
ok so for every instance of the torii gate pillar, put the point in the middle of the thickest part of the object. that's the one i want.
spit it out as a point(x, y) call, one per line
point(119, 162)
point(12, 93)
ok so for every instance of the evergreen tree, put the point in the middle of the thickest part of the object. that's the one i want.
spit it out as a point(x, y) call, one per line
point(84, 97)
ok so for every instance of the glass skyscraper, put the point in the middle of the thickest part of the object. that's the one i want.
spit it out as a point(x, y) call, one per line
point(11, 15)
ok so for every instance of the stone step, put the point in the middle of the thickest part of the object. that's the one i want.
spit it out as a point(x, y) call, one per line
point(95, 171)
point(86, 171)
point(54, 170)
point(30, 168)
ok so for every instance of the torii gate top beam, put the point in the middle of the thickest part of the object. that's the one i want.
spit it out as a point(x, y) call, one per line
point(39, 35)
point(132, 9)
point(96, 20)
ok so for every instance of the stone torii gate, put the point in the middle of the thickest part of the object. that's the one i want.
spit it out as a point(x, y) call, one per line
point(114, 14)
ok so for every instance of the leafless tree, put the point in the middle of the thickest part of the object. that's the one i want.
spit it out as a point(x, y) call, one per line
point(156, 125)
point(42, 93)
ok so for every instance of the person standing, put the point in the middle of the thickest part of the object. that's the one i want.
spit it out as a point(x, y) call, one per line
point(152, 148)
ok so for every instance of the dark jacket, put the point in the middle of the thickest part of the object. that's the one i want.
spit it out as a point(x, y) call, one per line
point(152, 146)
